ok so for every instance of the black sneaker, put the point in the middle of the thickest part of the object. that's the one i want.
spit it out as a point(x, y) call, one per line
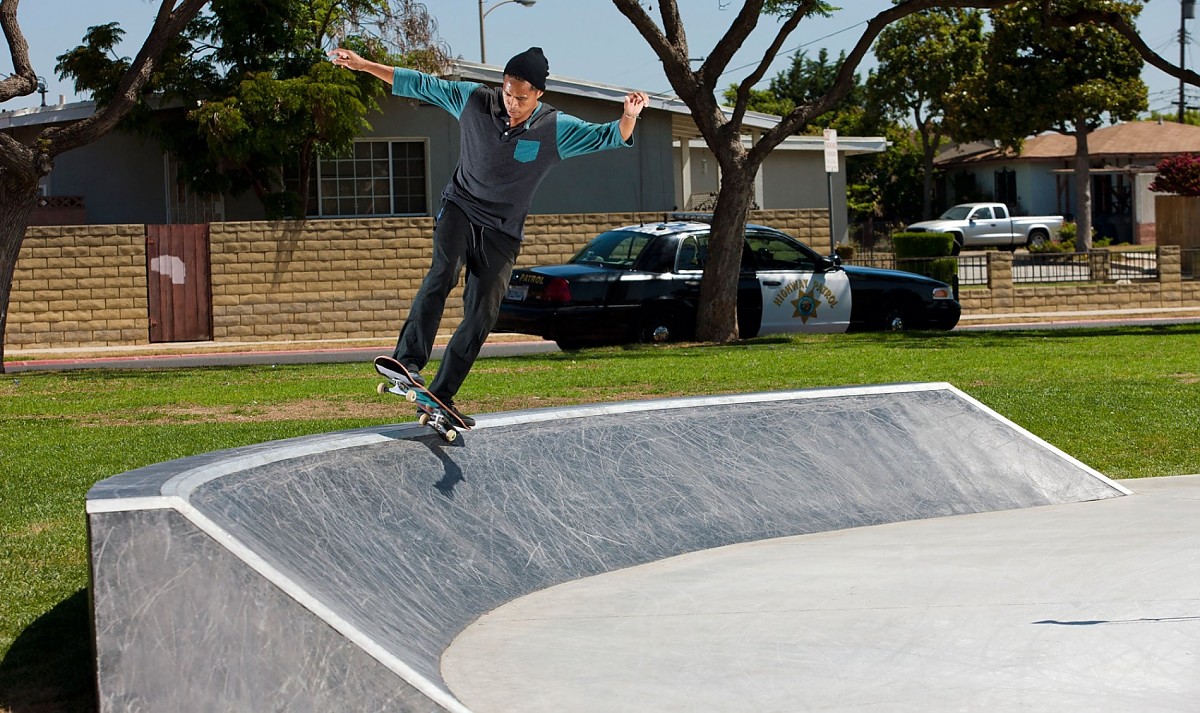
point(393, 369)
point(414, 374)
point(464, 419)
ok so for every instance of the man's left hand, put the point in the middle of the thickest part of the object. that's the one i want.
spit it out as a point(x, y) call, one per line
point(635, 102)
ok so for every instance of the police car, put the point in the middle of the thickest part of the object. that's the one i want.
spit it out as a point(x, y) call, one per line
point(641, 283)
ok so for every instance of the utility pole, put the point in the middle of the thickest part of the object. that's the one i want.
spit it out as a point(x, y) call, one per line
point(1187, 11)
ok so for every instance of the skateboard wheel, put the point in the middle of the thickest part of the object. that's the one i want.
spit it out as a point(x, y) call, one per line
point(411, 396)
point(423, 419)
point(451, 434)
point(381, 388)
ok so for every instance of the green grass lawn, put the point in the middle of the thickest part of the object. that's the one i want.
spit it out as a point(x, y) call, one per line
point(1126, 401)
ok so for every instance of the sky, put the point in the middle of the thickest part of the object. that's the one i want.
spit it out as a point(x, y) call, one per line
point(583, 39)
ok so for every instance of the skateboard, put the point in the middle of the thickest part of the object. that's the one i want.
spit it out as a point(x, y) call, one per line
point(432, 412)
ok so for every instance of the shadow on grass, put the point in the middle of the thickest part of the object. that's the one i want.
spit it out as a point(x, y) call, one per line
point(49, 666)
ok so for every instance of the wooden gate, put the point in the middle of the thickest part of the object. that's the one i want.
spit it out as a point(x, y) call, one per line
point(177, 279)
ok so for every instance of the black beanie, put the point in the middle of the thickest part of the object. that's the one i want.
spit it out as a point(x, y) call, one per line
point(530, 65)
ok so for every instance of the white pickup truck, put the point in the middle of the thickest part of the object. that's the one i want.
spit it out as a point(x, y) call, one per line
point(980, 225)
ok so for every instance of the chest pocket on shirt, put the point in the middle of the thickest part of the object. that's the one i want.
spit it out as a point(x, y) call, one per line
point(526, 151)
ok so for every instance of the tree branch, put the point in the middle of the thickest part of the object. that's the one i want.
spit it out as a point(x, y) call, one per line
point(169, 23)
point(23, 81)
point(671, 48)
point(743, 90)
point(14, 155)
point(1119, 23)
point(801, 115)
point(673, 25)
point(741, 27)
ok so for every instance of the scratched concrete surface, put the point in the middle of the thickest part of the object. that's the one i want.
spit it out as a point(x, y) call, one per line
point(334, 571)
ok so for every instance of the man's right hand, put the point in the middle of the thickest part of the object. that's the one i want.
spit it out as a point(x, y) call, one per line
point(349, 59)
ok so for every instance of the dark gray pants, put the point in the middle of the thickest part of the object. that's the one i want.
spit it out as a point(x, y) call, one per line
point(488, 256)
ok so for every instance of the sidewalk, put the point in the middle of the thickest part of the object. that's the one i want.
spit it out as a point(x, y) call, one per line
point(195, 354)
point(1163, 315)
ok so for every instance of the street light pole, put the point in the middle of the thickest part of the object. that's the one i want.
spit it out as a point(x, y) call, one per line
point(483, 14)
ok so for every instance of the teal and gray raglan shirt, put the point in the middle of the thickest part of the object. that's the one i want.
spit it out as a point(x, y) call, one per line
point(500, 167)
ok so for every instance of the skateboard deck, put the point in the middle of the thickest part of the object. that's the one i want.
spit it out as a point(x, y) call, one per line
point(432, 412)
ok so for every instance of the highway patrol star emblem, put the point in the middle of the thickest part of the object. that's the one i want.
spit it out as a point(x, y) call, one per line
point(806, 307)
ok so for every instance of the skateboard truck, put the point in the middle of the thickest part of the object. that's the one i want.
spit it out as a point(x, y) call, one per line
point(429, 414)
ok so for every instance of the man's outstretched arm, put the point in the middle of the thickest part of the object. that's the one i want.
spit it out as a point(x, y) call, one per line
point(351, 60)
point(451, 96)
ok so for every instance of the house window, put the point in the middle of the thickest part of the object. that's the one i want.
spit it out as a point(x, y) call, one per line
point(381, 177)
point(1006, 187)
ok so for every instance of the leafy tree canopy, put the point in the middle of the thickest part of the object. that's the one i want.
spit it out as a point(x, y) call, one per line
point(246, 97)
point(1038, 76)
point(805, 81)
point(922, 61)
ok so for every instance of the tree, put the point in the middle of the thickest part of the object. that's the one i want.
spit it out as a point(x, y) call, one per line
point(24, 163)
point(717, 310)
point(1178, 175)
point(257, 100)
point(922, 59)
point(886, 185)
point(877, 185)
point(1039, 75)
point(1117, 15)
point(803, 82)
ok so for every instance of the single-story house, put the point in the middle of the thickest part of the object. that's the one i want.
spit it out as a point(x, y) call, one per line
point(1040, 180)
point(398, 167)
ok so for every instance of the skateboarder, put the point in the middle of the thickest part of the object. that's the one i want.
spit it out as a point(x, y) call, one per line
point(509, 141)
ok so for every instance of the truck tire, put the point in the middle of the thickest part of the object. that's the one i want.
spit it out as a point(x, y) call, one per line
point(958, 244)
point(1037, 239)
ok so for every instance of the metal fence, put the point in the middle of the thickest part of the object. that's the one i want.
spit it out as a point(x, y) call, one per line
point(1049, 268)
point(1096, 266)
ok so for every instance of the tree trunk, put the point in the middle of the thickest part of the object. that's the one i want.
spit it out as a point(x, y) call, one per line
point(1083, 190)
point(17, 197)
point(716, 317)
point(928, 151)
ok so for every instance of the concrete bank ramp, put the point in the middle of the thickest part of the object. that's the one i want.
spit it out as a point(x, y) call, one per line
point(332, 572)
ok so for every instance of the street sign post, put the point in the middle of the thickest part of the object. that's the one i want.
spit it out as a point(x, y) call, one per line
point(831, 167)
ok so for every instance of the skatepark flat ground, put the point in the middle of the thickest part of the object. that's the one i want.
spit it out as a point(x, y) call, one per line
point(1091, 606)
point(652, 556)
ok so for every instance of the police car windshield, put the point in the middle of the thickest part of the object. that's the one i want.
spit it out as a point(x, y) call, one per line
point(616, 248)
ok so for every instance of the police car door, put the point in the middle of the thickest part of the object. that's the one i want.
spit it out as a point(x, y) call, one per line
point(796, 296)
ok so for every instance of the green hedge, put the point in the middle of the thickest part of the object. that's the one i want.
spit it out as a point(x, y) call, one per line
point(926, 254)
point(939, 268)
point(923, 244)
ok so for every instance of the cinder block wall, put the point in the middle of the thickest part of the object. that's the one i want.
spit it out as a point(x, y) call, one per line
point(327, 279)
point(79, 285)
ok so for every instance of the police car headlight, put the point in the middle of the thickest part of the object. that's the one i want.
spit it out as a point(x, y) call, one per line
point(943, 293)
